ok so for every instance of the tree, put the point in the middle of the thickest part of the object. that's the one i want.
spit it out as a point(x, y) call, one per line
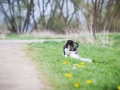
point(20, 15)
point(94, 27)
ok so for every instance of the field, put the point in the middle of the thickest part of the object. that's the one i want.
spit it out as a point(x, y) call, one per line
point(62, 73)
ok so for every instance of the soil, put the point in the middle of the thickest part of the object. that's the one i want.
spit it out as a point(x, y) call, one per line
point(16, 70)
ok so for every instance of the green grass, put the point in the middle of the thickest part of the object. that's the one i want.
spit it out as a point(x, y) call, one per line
point(115, 38)
point(19, 37)
point(24, 37)
point(104, 72)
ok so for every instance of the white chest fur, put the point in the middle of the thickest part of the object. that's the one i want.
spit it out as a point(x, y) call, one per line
point(67, 52)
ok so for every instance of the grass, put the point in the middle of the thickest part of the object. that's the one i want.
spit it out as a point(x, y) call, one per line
point(28, 37)
point(60, 74)
point(115, 38)
point(20, 37)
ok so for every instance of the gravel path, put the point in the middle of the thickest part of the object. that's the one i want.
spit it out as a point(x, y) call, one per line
point(16, 70)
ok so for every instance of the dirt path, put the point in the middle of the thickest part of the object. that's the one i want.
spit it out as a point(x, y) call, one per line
point(16, 71)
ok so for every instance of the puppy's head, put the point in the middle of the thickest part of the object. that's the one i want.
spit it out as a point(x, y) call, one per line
point(70, 44)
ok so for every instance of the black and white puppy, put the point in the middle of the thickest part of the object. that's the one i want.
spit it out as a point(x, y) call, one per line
point(70, 49)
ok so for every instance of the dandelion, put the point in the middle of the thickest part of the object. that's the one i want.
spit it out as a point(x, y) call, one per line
point(118, 87)
point(78, 65)
point(68, 75)
point(89, 81)
point(82, 63)
point(76, 85)
point(64, 62)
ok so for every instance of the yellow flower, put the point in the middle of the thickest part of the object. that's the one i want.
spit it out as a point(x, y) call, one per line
point(82, 63)
point(77, 64)
point(64, 62)
point(68, 75)
point(89, 81)
point(76, 85)
point(118, 87)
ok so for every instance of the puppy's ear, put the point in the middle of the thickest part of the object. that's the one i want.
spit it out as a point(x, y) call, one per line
point(70, 41)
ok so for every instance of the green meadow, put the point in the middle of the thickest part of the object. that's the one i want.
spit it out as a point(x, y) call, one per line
point(61, 73)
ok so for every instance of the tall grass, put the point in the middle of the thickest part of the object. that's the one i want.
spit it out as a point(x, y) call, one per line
point(83, 35)
point(80, 34)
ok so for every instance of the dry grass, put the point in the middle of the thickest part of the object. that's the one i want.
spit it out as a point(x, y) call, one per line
point(45, 34)
point(2, 36)
point(3, 33)
point(81, 35)
point(104, 39)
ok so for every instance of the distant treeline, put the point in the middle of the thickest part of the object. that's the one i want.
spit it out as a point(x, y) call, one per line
point(27, 15)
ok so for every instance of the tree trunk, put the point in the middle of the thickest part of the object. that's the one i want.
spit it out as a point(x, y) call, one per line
point(94, 26)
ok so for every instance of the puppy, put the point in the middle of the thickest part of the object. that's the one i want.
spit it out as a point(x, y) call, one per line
point(71, 50)
point(69, 46)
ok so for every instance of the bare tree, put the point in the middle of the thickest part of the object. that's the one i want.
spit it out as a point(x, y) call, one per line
point(20, 15)
point(94, 26)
